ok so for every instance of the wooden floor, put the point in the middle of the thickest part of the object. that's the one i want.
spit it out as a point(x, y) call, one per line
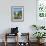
point(13, 44)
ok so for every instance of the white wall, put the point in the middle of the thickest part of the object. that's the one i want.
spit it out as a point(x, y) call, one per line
point(29, 15)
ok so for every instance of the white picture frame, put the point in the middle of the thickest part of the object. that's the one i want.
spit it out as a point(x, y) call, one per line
point(17, 13)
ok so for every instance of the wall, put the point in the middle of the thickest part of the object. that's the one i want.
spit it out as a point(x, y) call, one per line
point(29, 15)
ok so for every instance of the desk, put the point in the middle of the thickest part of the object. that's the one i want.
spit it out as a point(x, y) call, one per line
point(8, 34)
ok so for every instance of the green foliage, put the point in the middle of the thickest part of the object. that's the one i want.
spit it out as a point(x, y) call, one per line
point(34, 25)
point(41, 14)
point(42, 27)
point(39, 35)
point(18, 15)
point(37, 28)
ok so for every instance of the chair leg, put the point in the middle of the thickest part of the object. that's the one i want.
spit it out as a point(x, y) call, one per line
point(5, 39)
point(17, 39)
point(5, 43)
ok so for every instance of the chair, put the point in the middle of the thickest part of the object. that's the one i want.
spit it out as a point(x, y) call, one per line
point(8, 36)
point(14, 32)
point(25, 36)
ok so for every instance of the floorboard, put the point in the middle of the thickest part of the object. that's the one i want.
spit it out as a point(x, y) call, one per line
point(13, 44)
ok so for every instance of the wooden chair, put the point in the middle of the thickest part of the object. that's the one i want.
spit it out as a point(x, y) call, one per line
point(27, 37)
point(7, 34)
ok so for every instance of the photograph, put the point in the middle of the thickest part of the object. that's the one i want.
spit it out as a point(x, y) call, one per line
point(17, 13)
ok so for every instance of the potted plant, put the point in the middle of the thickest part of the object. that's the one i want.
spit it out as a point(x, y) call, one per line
point(39, 35)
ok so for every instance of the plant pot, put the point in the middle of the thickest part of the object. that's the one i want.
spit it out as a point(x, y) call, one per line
point(38, 40)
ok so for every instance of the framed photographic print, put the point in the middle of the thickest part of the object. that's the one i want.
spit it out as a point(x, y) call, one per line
point(17, 13)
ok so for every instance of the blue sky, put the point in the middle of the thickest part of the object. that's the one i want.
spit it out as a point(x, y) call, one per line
point(18, 9)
